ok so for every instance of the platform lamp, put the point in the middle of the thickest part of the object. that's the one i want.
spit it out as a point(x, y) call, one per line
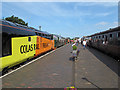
point(40, 28)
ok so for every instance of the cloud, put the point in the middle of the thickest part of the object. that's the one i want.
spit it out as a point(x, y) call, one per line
point(106, 25)
point(105, 4)
point(102, 26)
point(92, 12)
point(55, 9)
point(103, 14)
point(102, 23)
point(50, 9)
point(38, 9)
point(115, 23)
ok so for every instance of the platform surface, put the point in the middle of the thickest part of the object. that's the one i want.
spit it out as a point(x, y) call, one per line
point(93, 69)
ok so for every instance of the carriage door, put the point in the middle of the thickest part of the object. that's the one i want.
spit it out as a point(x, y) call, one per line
point(106, 39)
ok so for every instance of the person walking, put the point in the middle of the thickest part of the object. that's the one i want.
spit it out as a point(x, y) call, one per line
point(74, 52)
point(90, 44)
point(84, 44)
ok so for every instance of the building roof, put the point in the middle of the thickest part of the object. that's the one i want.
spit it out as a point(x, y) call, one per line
point(107, 31)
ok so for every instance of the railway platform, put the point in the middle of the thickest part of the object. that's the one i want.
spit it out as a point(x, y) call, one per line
point(92, 69)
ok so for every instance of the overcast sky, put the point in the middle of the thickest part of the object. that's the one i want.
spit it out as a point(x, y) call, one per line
point(69, 19)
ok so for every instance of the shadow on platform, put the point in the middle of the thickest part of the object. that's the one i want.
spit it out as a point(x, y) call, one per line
point(84, 78)
point(107, 60)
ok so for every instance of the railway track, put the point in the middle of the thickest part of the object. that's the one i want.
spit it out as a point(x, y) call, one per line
point(22, 65)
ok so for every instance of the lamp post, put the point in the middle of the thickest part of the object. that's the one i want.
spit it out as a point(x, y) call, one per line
point(40, 28)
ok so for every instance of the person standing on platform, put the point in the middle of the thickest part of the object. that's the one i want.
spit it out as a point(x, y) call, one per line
point(90, 44)
point(74, 46)
point(77, 42)
point(81, 42)
point(84, 44)
point(74, 52)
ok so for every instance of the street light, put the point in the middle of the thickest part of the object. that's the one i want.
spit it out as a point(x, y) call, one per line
point(40, 28)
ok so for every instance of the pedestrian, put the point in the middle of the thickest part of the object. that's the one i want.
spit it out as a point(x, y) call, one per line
point(78, 52)
point(84, 44)
point(81, 42)
point(74, 46)
point(77, 42)
point(74, 52)
point(90, 44)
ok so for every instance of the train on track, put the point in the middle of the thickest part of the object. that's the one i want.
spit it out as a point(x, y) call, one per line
point(21, 43)
point(107, 41)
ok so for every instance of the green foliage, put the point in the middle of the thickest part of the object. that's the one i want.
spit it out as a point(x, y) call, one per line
point(16, 20)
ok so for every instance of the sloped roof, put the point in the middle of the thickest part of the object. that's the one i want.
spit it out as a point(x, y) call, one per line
point(107, 31)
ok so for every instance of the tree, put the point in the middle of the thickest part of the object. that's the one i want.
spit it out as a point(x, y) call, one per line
point(16, 20)
point(26, 24)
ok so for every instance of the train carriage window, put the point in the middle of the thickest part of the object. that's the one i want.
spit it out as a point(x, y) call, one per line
point(118, 35)
point(29, 39)
point(39, 34)
point(99, 37)
point(36, 33)
point(111, 35)
point(6, 44)
point(102, 36)
point(51, 37)
point(45, 35)
point(106, 38)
